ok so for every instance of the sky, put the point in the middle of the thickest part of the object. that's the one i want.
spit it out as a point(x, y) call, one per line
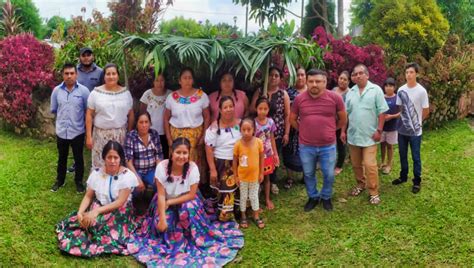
point(213, 10)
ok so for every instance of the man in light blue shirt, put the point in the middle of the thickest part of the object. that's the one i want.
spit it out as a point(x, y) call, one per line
point(69, 103)
point(365, 104)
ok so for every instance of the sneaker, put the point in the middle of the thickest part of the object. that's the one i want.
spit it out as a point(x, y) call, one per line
point(311, 204)
point(416, 188)
point(56, 186)
point(398, 181)
point(80, 188)
point(327, 205)
point(275, 189)
point(72, 168)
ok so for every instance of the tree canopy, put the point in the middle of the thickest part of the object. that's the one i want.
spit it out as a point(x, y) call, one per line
point(402, 26)
point(28, 16)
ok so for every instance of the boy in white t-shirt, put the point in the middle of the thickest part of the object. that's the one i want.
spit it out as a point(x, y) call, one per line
point(412, 99)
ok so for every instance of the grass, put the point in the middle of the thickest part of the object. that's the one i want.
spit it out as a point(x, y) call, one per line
point(432, 228)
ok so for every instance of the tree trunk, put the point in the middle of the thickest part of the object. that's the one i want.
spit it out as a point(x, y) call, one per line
point(324, 8)
point(340, 18)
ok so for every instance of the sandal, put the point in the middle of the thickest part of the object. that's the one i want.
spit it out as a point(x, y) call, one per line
point(289, 183)
point(374, 199)
point(259, 222)
point(244, 224)
point(356, 191)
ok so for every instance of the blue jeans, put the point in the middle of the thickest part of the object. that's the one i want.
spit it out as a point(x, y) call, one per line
point(415, 144)
point(148, 178)
point(326, 155)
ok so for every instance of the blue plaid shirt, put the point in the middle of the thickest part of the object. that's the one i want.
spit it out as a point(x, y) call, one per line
point(144, 157)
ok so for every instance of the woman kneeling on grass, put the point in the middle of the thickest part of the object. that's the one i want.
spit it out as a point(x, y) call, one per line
point(104, 221)
point(177, 230)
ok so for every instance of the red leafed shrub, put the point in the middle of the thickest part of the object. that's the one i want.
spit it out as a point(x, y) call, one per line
point(25, 65)
point(342, 55)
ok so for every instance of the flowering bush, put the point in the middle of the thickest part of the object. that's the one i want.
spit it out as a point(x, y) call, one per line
point(342, 55)
point(25, 65)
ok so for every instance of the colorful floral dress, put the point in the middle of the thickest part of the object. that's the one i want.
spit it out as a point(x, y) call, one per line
point(111, 232)
point(191, 239)
point(291, 157)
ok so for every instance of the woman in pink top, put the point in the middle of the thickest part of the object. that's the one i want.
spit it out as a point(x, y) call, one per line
point(227, 89)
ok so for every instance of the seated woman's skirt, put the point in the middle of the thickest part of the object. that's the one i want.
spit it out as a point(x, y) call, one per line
point(191, 239)
point(109, 234)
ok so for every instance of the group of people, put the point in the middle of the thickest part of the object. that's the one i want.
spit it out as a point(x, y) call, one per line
point(208, 157)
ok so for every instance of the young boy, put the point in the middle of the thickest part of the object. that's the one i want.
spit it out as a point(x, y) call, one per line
point(389, 134)
point(414, 109)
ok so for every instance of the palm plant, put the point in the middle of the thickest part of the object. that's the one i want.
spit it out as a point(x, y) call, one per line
point(247, 55)
point(9, 25)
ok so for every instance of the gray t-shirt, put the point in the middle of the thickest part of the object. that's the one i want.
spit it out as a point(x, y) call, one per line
point(412, 101)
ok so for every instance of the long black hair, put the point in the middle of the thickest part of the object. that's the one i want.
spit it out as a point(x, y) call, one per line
point(113, 145)
point(177, 142)
point(233, 88)
point(221, 102)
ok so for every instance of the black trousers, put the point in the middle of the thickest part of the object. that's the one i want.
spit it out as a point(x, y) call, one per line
point(77, 145)
point(341, 150)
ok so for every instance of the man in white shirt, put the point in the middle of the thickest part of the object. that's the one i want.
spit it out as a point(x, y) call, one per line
point(412, 99)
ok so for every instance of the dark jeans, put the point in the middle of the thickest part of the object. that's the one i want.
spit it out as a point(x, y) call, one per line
point(341, 150)
point(77, 145)
point(279, 145)
point(164, 146)
point(415, 144)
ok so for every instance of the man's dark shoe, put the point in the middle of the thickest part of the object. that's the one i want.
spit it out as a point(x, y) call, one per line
point(80, 188)
point(398, 181)
point(57, 185)
point(416, 188)
point(72, 168)
point(311, 204)
point(327, 205)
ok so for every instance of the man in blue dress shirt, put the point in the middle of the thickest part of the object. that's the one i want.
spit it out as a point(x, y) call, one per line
point(69, 104)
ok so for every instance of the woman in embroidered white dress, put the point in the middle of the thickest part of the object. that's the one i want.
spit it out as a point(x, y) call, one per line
point(187, 116)
point(109, 114)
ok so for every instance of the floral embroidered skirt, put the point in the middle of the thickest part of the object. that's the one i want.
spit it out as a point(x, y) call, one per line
point(225, 194)
point(191, 239)
point(100, 137)
point(109, 234)
point(197, 153)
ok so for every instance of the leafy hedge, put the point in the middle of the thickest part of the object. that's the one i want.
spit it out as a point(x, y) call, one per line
point(447, 76)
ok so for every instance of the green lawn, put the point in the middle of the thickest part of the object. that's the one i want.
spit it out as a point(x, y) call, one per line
point(435, 227)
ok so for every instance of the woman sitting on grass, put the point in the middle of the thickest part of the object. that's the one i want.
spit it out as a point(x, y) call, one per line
point(104, 221)
point(177, 230)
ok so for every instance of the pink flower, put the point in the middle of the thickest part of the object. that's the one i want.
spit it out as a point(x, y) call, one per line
point(100, 250)
point(105, 240)
point(224, 251)
point(143, 258)
point(212, 249)
point(193, 99)
point(77, 232)
point(200, 241)
point(75, 251)
point(176, 236)
point(114, 234)
point(64, 243)
point(125, 230)
point(180, 262)
point(93, 249)
point(132, 248)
